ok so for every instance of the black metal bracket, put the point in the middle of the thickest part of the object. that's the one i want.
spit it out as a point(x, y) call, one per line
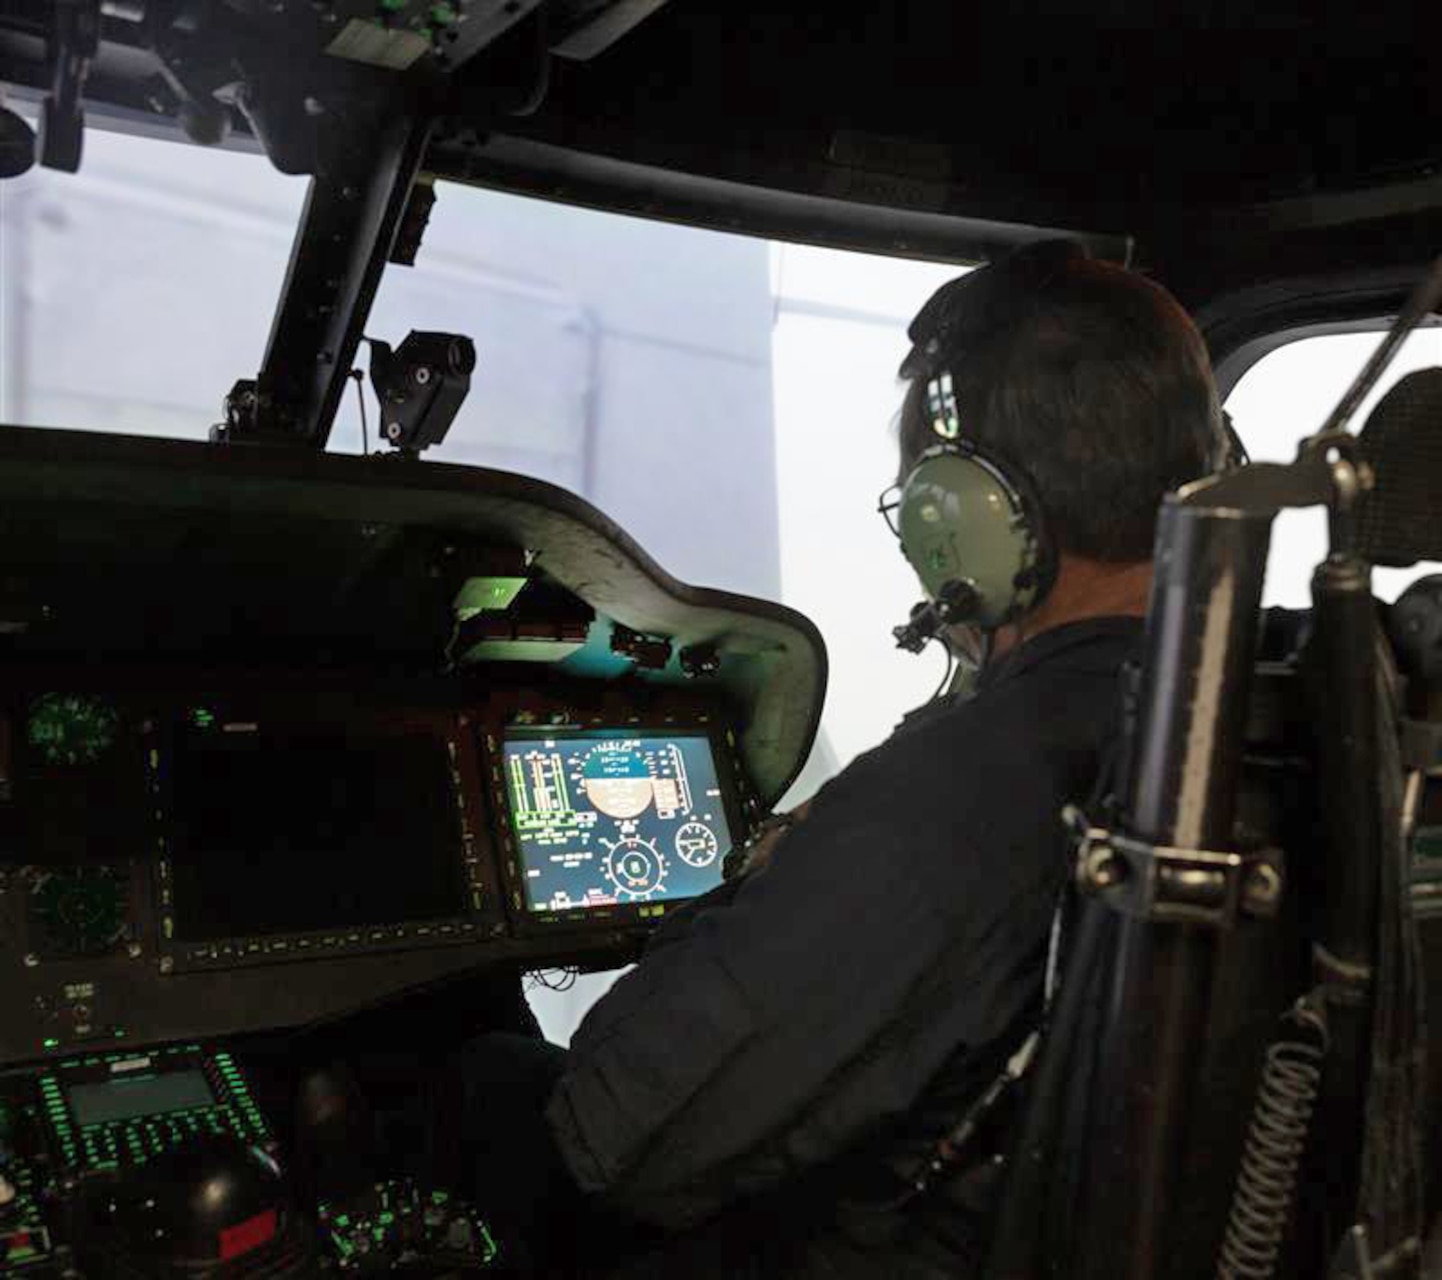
point(421, 386)
point(1170, 885)
point(74, 40)
point(368, 162)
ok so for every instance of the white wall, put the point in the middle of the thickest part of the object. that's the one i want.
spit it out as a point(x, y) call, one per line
point(840, 334)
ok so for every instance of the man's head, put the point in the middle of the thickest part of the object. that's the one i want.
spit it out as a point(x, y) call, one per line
point(1088, 383)
point(1088, 378)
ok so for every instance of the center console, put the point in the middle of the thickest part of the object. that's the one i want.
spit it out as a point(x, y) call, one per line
point(161, 1163)
point(183, 866)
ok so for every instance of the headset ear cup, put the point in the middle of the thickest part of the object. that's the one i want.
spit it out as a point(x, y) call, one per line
point(973, 530)
point(1044, 557)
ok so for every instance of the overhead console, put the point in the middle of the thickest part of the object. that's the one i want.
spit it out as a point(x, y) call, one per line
point(281, 736)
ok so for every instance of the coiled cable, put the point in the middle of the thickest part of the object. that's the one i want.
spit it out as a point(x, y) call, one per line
point(1276, 1140)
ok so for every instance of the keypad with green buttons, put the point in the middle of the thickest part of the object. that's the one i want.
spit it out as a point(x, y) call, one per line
point(111, 1142)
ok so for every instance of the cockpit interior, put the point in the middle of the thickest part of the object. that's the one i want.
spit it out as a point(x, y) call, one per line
point(309, 755)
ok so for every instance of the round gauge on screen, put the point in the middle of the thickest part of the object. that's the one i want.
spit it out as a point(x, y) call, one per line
point(636, 868)
point(71, 728)
point(80, 911)
point(696, 844)
point(617, 780)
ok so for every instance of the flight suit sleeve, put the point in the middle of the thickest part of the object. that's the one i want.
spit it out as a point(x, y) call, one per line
point(719, 1040)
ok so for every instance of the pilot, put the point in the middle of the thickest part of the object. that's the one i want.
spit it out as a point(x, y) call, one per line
point(758, 1095)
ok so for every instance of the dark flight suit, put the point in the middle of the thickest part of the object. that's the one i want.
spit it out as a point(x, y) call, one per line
point(791, 1040)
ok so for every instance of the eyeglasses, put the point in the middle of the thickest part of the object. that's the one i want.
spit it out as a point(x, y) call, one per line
point(888, 505)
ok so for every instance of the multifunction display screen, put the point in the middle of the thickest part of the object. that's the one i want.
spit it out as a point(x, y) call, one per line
point(604, 818)
point(286, 832)
point(150, 1095)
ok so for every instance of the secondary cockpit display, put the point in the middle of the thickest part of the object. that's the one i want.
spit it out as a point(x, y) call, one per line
point(605, 819)
point(327, 815)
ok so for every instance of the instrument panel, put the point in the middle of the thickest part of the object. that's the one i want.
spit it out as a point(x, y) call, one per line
point(181, 860)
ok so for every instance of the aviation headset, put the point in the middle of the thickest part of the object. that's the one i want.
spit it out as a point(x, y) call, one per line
point(970, 522)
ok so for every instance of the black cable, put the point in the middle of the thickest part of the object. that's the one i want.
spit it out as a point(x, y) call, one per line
point(543, 978)
point(360, 395)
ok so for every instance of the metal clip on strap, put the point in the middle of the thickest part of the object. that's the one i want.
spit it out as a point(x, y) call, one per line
point(1170, 885)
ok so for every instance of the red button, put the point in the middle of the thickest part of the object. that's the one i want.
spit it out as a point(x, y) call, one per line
point(247, 1235)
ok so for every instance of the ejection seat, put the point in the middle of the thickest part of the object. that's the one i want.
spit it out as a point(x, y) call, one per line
point(1236, 1078)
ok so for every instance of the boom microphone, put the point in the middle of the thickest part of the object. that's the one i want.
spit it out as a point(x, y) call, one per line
point(955, 602)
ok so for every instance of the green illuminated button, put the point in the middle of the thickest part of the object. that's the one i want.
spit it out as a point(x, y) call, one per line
point(489, 1247)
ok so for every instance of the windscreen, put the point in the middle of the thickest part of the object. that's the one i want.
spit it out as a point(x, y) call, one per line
point(288, 833)
point(606, 818)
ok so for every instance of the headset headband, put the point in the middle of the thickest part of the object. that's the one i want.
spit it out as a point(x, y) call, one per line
point(979, 304)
